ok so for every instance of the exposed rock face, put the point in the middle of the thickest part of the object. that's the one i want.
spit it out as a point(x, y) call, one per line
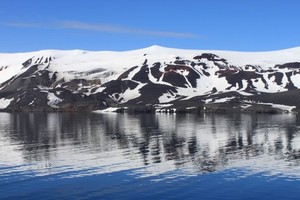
point(181, 83)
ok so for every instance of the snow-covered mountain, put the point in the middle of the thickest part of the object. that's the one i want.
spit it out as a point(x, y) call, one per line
point(150, 79)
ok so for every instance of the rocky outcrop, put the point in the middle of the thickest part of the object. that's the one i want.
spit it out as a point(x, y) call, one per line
point(206, 82)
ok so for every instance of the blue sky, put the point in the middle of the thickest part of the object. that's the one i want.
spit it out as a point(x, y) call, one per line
point(241, 25)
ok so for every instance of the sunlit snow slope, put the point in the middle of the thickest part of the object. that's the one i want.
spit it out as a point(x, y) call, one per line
point(150, 79)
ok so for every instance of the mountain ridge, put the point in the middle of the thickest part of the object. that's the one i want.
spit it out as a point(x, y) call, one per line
point(150, 79)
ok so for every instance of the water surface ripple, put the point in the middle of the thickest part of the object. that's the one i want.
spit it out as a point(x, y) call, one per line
point(121, 156)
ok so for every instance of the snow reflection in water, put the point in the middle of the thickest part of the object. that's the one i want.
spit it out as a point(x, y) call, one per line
point(120, 156)
point(159, 146)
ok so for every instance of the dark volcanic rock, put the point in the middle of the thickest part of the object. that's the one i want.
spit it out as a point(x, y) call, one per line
point(175, 79)
point(27, 63)
point(150, 94)
point(205, 83)
point(142, 75)
point(293, 65)
point(125, 74)
point(156, 73)
point(119, 86)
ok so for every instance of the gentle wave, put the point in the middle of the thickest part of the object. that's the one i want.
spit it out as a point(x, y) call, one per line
point(161, 148)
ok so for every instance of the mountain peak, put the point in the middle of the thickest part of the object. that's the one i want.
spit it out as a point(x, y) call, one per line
point(155, 47)
point(156, 76)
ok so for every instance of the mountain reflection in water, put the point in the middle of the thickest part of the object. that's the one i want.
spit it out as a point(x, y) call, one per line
point(161, 146)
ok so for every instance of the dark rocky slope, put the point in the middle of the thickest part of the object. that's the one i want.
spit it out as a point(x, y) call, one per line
point(203, 82)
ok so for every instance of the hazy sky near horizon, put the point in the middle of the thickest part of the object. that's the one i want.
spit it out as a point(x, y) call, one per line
point(240, 25)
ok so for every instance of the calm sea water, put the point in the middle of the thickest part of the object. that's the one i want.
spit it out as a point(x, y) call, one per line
point(121, 156)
